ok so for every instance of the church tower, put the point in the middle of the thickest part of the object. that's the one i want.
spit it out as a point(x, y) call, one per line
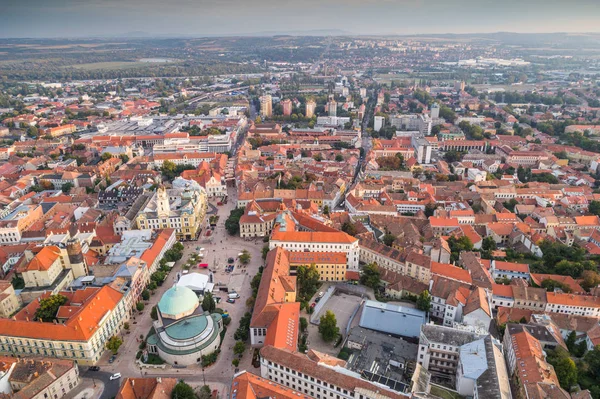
point(162, 202)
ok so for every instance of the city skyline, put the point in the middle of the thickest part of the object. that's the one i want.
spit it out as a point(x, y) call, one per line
point(152, 18)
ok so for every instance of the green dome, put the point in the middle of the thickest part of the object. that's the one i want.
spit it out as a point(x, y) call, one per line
point(178, 301)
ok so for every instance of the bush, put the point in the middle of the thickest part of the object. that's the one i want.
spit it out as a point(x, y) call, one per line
point(209, 359)
point(145, 295)
point(140, 306)
point(154, 313)
point(235, 362)
point(126, 326)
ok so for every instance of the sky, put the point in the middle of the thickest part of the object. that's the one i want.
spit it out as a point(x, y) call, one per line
point(91, 18)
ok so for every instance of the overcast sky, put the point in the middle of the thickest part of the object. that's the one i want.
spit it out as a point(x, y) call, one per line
point(68, 18)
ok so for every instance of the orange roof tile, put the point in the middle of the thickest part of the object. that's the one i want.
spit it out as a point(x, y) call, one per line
point(95, 303)
point(44, 259)
point(451, 272)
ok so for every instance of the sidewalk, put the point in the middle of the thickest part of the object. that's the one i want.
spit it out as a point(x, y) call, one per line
point(86, 390)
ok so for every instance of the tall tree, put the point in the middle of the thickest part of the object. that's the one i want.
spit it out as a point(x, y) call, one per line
point(208, 303)
point(328, 326)
point(49, 306)
point(370, 276)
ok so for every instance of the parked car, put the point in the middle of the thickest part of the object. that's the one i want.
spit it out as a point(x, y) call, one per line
point(230, 300)
point(94, 368)
point(112, 359)
point(321, 294)
point(115, 376)
point(233, 295)
point(317, 299)
point(230, 260)
point(312, 305)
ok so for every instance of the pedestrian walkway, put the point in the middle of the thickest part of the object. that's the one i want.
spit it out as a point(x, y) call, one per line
point(86, 390)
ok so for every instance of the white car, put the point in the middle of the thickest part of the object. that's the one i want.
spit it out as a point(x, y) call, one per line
point(115, 376)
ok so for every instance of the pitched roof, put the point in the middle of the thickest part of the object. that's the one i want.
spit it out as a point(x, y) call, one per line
point(90, 305)
point(511, 266)
point(477, 300)
point(44, 259)
point(147, 388)
point(452, 272)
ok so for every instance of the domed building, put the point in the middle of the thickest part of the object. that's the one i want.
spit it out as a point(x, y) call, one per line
point(183, 331)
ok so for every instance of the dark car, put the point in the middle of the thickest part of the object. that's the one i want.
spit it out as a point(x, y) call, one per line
point(230, 300)
point(94, 368)
point(112, 359)
point(317, 300)
point(230, 260)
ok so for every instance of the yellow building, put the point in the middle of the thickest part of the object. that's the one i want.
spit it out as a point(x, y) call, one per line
point(180, 209)
point(79, 331)
point(331, 265)
point(9, 301)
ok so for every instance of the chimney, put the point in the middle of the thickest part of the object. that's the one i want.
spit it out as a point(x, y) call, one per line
point(132, 382)
point(158, 379)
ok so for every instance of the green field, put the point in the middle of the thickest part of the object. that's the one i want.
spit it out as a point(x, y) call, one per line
point(110, 65)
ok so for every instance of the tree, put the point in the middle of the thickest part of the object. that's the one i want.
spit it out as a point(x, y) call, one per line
point(328, 327)
point(326, 210)
point(565, 367)
point(591, 279)
point(183, 391)
point(245, 257)
point(370, 276)
point(232, 224)
point(145, 295)
point(303, 324)
point(592, 358)
point(308, 281)
point(139, 306)
point(32, 131)
point(487, 246)
point(388, 239)
point(49, 306)
point(339, 158)
point(154, 313)
point(349, 228)
point(205, 392)
point(458, 245)
point(239, 348)
point(424, 301)
point(66, 187)
point(594, 208)
point(430, 209)
point(124, 158)
point(452, 156)
point(106, 156)
point(510, 205)
point(208, 303)
point(265, 251)
point(113, 344)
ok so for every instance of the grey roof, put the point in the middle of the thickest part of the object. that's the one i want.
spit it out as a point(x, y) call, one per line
point(381, 358)
point(448, 335)
point(483, 362)
point(392, 319)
